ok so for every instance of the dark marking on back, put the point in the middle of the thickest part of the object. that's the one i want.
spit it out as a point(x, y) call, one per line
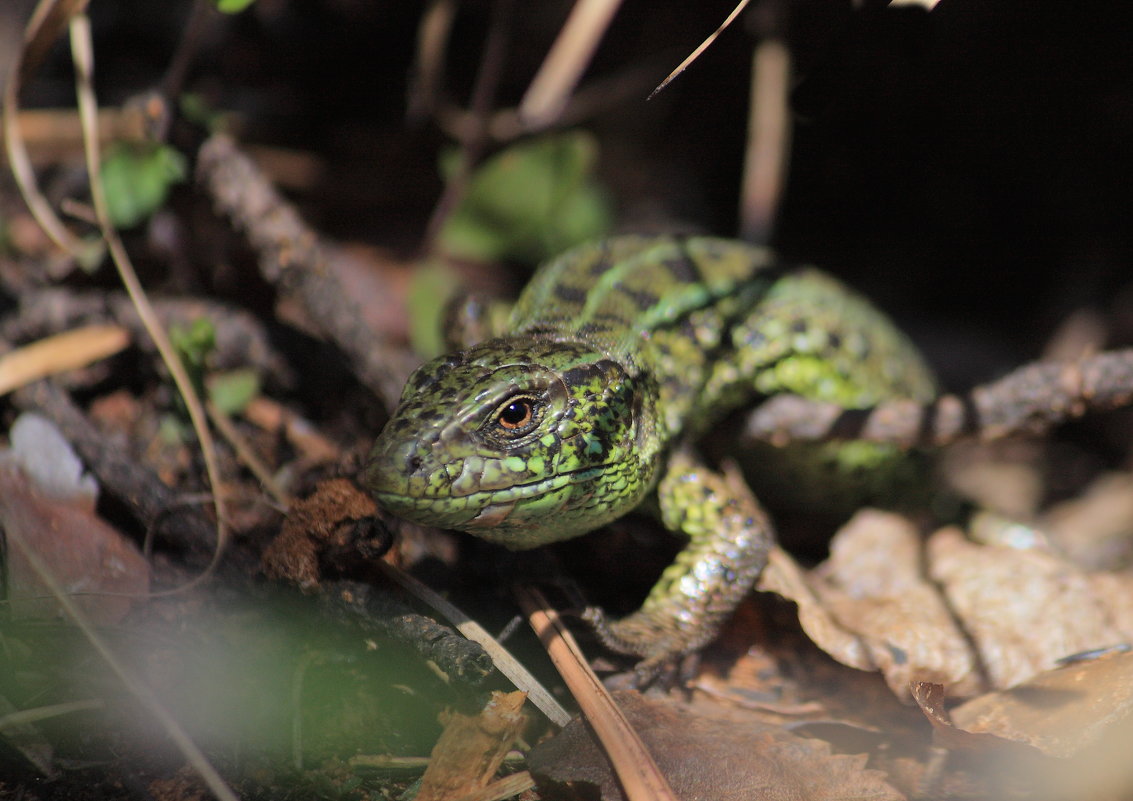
point(589, 329)
point(642, 299)
point(570, 294)
point(602, 265)
point(683, 269)
point(580, 374)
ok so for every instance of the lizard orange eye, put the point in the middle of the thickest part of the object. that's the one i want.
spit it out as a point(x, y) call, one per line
point(516, 413)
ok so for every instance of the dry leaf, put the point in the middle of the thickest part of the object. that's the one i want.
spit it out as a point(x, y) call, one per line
point(1064, 734)
point(84, 554)
point(784, 576)
point(874, 584)
point(1060, 712)
point(712, 757)
point(870, 606)
point(1096, 530)
point(472, 748)
point(953, 612)
point(1024, 609)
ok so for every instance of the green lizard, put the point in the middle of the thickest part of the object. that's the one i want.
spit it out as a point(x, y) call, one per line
point(617, 357)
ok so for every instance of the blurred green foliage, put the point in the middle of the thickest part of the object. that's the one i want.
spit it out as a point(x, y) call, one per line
point(528, 202)
point(232, 6)
point(136, 179)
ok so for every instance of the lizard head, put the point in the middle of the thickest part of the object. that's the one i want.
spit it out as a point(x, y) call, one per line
point(518, 443)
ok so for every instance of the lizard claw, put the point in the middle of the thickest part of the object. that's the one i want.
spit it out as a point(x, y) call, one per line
point(662, 651)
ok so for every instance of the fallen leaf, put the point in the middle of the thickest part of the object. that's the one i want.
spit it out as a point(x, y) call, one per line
point(871, 607)
point(84, 554)
point(1096, 529)
point(1023, 609)
point(1060, 712)
point(716, 757)
point(1063, 734)
point(472, 748)
point(968, 616)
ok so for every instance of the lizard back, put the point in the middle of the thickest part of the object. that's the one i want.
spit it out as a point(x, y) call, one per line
point(717, 323)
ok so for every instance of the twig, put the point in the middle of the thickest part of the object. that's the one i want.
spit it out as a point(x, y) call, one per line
point(641, 779)
point(429, 61)
point(505, 662)
point(476, 135)
point(248, 456)
point(372, 609)
point(1030, 400)
point(293, 258)
point(769, 140)
point(600, 94)
point(47, 22)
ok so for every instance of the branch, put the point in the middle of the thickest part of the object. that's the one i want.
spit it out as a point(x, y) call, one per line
point(1032, 399)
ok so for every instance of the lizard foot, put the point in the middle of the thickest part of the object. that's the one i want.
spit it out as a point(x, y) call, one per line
point(662, 649)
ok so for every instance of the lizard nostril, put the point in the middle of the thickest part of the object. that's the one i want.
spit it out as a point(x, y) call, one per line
point(412, 463)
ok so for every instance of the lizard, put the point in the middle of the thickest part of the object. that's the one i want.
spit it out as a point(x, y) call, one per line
point(616, 358)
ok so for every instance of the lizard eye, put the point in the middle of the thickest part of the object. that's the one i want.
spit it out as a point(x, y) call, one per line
point(517, 415)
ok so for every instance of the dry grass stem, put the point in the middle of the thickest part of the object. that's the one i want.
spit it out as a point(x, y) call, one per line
point(507, 664)
point(695, 54)
point(768, 144)
point(550, 90)
point(641, 779)
point(83, 56)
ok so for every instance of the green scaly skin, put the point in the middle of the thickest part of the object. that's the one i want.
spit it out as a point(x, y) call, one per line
point(617, 356)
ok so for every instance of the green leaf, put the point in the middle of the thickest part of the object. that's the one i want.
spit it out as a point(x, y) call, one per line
point(195, 342)
point(431, 288)
point(232, 6)
point(196, 109)
point(172, 430)
point(136, 180)
point(234, 390)
point(528, 202)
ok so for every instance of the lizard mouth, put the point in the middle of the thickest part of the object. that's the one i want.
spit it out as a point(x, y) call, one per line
point(480, 510)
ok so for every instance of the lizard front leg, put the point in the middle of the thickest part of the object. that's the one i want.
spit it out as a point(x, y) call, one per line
point(730, 537)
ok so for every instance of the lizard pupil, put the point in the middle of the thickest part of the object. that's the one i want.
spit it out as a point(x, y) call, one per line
point(516, 414)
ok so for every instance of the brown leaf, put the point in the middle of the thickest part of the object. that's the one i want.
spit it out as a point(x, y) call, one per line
point(1063, 734)
point(1093, 530)
point(870, 606)
point(1060, 712)
point(471, 748)
point(784, 576)
point(708, 756)
point(1024, 609)
point(83, 553)
point(946, 611)
point(946, 734)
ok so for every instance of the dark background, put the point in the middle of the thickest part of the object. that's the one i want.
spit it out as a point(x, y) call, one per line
point(969, 169)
